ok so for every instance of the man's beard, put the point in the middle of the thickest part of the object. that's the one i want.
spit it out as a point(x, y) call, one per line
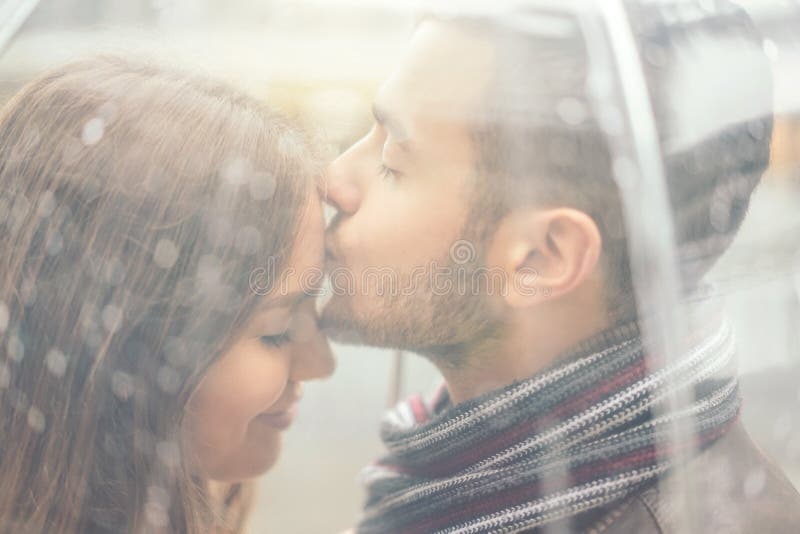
point(442, 318)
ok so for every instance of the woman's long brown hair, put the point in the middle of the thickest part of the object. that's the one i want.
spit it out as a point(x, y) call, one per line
point(134, 205)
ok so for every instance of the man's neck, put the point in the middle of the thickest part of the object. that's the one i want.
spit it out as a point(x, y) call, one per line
point(529, 346)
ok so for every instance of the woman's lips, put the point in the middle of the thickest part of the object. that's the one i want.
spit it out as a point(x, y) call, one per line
point(279, 420)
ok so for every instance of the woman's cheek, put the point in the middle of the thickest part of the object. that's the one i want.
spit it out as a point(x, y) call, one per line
point(265, 377)
point(244, 382)
point(256, 380)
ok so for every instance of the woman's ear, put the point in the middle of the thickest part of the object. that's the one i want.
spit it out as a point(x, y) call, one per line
point(544, 254)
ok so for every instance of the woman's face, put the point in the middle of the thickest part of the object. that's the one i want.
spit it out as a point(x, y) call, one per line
point(248, 397)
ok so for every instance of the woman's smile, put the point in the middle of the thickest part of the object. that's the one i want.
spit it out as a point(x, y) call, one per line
point(280, 420)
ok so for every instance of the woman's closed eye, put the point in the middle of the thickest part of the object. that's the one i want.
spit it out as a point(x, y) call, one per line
point(276, 340)
point(386, 173)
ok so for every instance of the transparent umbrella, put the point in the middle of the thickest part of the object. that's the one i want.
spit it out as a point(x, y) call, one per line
point(666, 131)
point(13, 14)
point(684, 96)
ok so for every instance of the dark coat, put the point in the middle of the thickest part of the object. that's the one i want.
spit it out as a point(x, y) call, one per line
point(731, 487)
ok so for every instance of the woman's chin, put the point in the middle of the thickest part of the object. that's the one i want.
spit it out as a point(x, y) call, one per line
point(252, 460)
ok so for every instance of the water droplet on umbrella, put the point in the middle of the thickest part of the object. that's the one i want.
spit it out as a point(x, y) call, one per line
point(572, 111)
point(156, 508)
point(754, 482)
point(720, 208)
point(122, 385)
point(262, 185)
point(92, 337)
point(208, 278)
point(112, 317)
point(15, 348)
point(4, 317)
point(55, 244)
point(5, 376)
point(108, 113)
point(36, 419)
point(62, 214)
point(27, 142)
point(27, 292)
point(625, 173)
point(236, 171)
point(169, 453)
point(89, 316)
point(111, 444)
point(168, 379)
point(771, 49)
point(175, 352)
point(46, 205)
point(114, 272)
point(56, 362)
point(290, 145)
point(20, 209)
point(782, 426)
point(18, 400)
point(793, 447)
point(248, 241)
point(158, 495)
point(93, 131)
point(610, 120)
point(655, 55)
point(710, 6)
point(219, 230)
point(561, 151)
point(165, 254)
point(73, 148)
point(5, 209)
point(155, 181)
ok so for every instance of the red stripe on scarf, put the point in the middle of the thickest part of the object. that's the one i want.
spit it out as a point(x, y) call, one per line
point(520, 495)
point(418, 409)
point(453, 464)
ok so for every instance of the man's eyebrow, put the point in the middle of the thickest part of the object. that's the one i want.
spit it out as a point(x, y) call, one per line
point(385, 119)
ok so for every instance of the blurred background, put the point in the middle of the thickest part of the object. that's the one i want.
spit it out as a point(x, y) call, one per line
point(321, 61)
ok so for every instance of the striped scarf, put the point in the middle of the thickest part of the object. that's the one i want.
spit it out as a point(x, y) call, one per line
point(589, 431)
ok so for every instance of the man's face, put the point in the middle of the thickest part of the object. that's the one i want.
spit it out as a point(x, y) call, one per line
point(403, 194)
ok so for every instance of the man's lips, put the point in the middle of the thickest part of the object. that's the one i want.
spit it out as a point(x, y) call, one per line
point(330, 250)
point(331, 257)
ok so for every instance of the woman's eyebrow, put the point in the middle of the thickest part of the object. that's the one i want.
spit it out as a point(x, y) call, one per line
point(285, 301)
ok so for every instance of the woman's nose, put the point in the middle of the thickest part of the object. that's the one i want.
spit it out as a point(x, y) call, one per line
point(314, 359)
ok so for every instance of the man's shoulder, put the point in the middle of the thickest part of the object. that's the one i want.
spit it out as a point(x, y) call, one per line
point(730, 487)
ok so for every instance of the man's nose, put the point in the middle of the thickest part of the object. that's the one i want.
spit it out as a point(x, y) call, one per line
point(340, 188)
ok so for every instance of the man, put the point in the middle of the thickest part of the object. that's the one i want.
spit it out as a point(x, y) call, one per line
point(485, 198)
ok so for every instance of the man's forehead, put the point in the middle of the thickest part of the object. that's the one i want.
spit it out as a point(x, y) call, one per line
point(445, 70)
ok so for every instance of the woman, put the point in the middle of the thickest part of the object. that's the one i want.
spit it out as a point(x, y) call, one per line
point(155, 324)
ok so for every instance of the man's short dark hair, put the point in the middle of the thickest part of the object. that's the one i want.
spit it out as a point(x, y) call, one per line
point(542, 141)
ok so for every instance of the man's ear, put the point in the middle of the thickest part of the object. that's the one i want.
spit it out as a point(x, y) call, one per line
point(545, 254)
